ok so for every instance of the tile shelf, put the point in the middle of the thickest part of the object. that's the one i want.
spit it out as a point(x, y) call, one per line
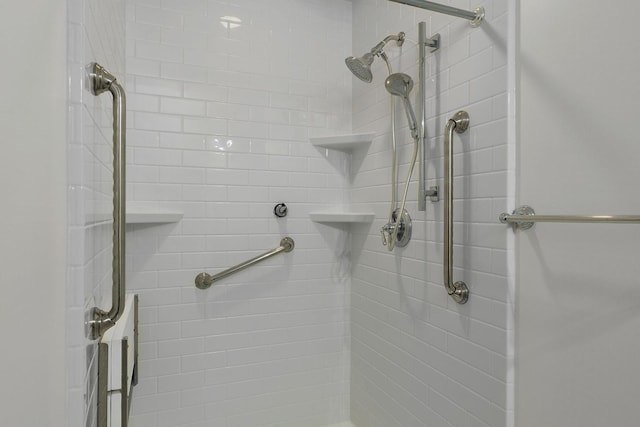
point(346, 143)
point(138, 215)
point(342, 217)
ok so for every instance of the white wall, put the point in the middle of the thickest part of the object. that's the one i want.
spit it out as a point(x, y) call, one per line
point(219, 124)
point(32, 248)
point(578, 309)
point(418, 358)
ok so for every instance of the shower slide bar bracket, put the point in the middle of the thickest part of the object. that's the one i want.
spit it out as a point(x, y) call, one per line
point(525, 217)
point(205, 280)
point(432, 193)
point(458, 290)
point(432, 42)
point(101, 81)
point(475, 17)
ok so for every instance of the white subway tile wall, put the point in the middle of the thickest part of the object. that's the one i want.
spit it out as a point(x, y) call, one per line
point(417, 357)
point(95, 34)
point(223, 97)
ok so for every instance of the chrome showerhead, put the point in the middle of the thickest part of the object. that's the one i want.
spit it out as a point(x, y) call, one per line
point(400, 84)
point(361, 66)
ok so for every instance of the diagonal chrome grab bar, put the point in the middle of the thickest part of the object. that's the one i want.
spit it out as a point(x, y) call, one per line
point(458, 290)
point(205, 280)
point(101, 80)
point(524, 217)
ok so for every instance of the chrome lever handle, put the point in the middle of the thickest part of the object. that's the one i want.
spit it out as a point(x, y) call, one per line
point(386, 232)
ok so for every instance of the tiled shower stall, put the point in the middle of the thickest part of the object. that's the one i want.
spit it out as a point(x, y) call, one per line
point(223, 97)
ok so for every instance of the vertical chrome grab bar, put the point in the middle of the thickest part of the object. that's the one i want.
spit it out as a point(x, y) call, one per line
point(101, 80)
point(458, 290)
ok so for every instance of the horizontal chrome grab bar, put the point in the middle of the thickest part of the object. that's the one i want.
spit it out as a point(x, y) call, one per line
point(475, 17)
point(524, 217)
point(205, 280)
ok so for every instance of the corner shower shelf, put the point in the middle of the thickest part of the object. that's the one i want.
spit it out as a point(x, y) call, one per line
point(346, 143)
point(342, 217)
point(137, 215)
point(148, 216)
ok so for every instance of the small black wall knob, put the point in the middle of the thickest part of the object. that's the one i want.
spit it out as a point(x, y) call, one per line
point(280, 210)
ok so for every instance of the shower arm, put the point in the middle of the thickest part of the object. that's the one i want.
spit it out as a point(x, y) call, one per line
point(101, 81)
point(398, 38)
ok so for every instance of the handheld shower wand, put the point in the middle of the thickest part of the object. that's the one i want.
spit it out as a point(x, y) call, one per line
point(400, 84)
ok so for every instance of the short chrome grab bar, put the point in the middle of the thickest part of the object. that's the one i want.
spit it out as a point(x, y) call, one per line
point(205, 280)
point(524, 218)
point(458, 290)
point(101, 80)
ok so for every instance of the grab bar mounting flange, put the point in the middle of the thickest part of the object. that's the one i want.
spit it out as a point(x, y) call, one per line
point(522, 210)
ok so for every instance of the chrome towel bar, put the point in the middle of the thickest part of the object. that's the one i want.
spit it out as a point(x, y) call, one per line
point(458, 290)
point(205, 280)
point(524, 218)
point(101, 80)
point(475, 17)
